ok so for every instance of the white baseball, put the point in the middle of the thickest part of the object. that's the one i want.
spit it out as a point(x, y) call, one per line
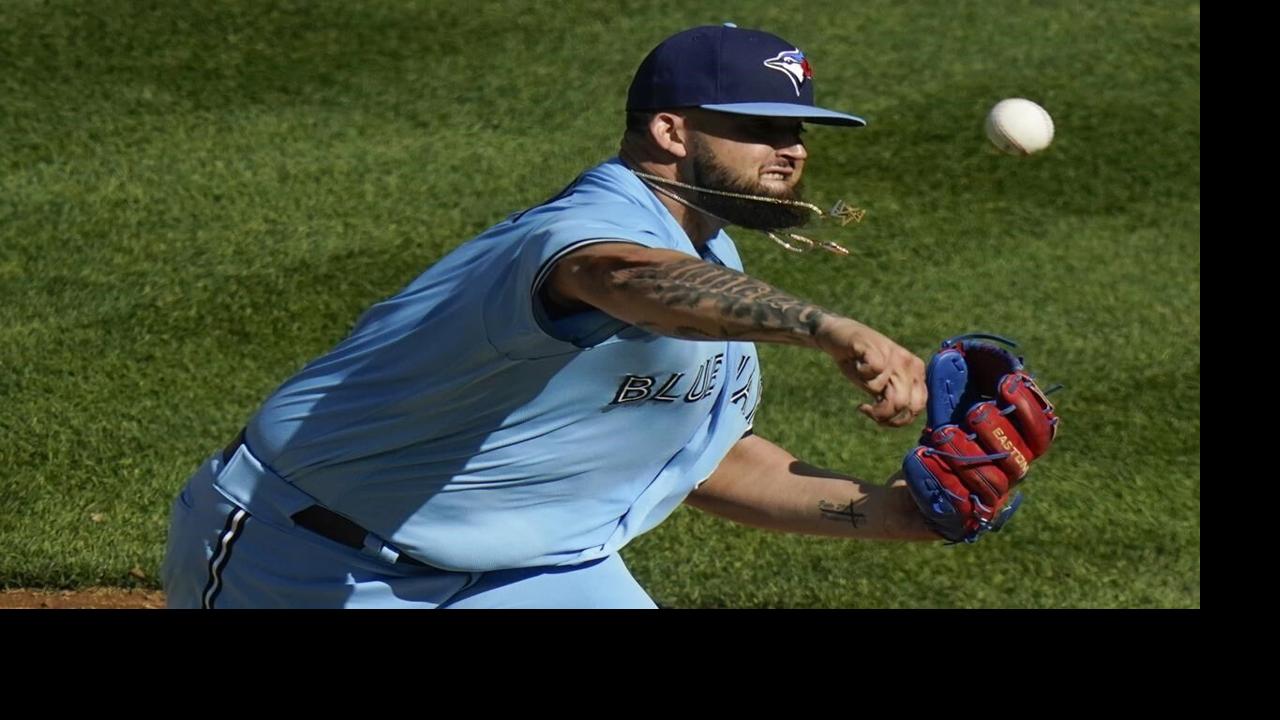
point(1019, 127)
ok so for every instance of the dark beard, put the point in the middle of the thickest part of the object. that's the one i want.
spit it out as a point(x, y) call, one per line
point(752, 214)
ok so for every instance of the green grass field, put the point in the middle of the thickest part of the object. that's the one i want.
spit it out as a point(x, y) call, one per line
point(195, 202)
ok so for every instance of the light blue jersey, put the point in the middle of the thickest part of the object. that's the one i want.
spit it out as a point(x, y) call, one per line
point(469, 431)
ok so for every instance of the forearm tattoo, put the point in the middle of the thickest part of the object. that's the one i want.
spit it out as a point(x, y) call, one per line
point(841, 513)
point(733, 304)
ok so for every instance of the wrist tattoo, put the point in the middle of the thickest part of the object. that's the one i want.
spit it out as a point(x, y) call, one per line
point(841, 513)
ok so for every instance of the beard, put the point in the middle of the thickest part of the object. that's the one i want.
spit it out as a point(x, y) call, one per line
point(709, 173)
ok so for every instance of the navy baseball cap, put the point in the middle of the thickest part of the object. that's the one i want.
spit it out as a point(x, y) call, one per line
point(733, 70)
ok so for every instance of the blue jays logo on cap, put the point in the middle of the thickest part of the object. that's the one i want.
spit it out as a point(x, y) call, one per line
point(793, 64)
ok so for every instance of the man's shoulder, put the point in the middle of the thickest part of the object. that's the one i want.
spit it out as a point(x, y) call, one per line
point(611, 173)
point(607, 194)
point(609, 187)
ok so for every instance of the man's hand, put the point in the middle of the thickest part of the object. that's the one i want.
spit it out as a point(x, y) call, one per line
point(889, 373)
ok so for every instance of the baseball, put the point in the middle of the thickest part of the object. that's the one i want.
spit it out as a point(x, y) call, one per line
point(1019, 127)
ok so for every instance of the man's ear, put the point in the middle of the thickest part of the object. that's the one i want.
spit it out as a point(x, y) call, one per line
point(669, 132)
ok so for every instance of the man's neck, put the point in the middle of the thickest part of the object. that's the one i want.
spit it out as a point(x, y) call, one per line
point(698, 225)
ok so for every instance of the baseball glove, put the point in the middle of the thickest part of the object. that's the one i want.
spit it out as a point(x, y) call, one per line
point(987, 421)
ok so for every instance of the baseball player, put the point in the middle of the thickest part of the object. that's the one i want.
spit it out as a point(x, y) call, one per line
point(492, 435)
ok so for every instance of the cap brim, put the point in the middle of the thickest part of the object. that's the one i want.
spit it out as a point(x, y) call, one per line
point(809, 113)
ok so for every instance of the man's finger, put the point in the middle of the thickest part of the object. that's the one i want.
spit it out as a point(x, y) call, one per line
point(877, 384)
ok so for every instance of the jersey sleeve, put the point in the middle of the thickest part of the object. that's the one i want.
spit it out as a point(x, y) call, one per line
point(515, 321)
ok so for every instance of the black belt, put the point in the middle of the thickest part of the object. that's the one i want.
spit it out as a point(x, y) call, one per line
point(323, 521)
